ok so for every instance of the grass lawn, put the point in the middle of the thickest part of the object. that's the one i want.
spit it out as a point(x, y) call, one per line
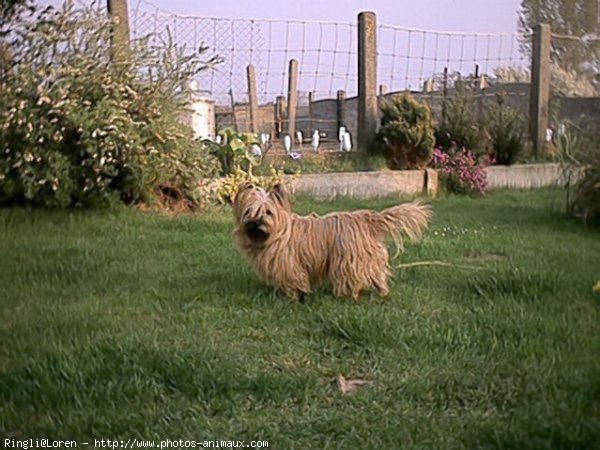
point(122, 324)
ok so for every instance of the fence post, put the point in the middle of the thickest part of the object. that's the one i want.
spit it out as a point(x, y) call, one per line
point(539, 94)
point(310, 110)
point(120, 34)
point(279, 114)
point(252, 98)
point(292, 97)
point(381, 97)
point(367, 79)
point(341, 117)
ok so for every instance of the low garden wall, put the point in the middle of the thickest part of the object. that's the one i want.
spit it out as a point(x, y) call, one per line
point(523, 176)
point(366, 185)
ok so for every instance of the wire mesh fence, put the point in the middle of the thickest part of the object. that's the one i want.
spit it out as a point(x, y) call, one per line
point(326, 53)
point(327, 56)
point(409, 58)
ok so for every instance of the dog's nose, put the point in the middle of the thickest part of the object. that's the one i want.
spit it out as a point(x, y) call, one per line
point(251, 226)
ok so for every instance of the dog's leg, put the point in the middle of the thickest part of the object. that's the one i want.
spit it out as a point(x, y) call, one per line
point(356, 294)
point(379, 271)
point(382, 286)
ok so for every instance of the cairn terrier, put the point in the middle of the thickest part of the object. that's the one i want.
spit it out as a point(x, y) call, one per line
point(294, 253)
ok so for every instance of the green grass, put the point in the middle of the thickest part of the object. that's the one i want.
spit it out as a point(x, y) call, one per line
point(122, 324)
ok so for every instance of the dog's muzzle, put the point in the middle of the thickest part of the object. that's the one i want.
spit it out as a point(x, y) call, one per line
point(255, 232)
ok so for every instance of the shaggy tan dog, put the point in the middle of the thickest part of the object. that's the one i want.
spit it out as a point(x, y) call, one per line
point(292, 253)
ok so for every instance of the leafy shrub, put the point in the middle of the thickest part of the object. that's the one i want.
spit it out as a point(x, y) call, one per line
point(406, 136)
point(460, 126)
point(82, 125)
point(233, 151)
point(237, 160)
point(505, 128)
point(228, 186)
point(579, 155)
point(460, 171)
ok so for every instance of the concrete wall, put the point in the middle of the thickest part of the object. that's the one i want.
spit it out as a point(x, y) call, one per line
point(523, 176)
point(367, 185)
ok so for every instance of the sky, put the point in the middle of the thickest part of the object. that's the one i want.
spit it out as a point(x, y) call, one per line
point(326, 46)
point(453, 15)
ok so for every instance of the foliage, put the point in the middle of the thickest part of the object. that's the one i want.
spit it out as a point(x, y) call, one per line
point(563, 82)
point(578, 18)
point(571, 83)
point(505, 126)
point(228, 186)
point(233, 151)
point(460, 125)
point(511, 74)
point(579, 155)
point(406, 136)
point(461, 171)
point(81, 125)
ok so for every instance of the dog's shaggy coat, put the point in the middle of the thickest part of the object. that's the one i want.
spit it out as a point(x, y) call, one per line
point(292, 253)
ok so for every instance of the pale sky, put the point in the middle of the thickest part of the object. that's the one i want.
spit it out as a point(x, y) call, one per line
point(482, 33)
point(454, 15)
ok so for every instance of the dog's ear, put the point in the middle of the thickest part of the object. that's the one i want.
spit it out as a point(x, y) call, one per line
point(245, 185)
point(280, 193)
point(242, 187)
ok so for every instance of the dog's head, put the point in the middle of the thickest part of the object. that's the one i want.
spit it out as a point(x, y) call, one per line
point(260, 214)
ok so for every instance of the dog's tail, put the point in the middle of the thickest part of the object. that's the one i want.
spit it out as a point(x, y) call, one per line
point(408, 219)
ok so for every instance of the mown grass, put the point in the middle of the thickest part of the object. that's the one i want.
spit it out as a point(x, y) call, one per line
point(122, 324)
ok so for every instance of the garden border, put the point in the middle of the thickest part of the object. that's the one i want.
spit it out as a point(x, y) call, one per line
point(385, 183)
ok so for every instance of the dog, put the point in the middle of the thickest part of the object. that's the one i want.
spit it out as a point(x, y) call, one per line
point(294, 253)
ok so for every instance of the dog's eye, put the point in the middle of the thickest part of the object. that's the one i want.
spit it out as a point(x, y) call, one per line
point(269, 212)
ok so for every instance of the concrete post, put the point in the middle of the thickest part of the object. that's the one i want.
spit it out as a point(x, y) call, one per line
point(252, 98)
point(381, 97)
point(539, 95)
point(117, 9)
point(279, 115)
point(292, 97)
point(311, 95)
point(368, 113)
point(444, 94)
point(341, 99)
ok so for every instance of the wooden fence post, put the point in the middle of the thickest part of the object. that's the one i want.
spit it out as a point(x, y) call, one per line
point(252, 98)
point(539, 94)
point(292, 97)
point(341, 117)
point(120, 34)
point(368, 113)
point(279, 115)
point(310, 110)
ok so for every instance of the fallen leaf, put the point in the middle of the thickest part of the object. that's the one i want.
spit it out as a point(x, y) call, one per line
point(346, 386)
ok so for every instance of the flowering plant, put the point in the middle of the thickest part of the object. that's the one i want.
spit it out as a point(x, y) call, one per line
point(461, 171)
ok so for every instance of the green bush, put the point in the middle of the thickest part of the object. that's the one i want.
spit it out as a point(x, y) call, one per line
point(81, 125)
point(505, 126)
point(233, 152)
point(406, 137)
point(460, 125)
point(579, 155)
